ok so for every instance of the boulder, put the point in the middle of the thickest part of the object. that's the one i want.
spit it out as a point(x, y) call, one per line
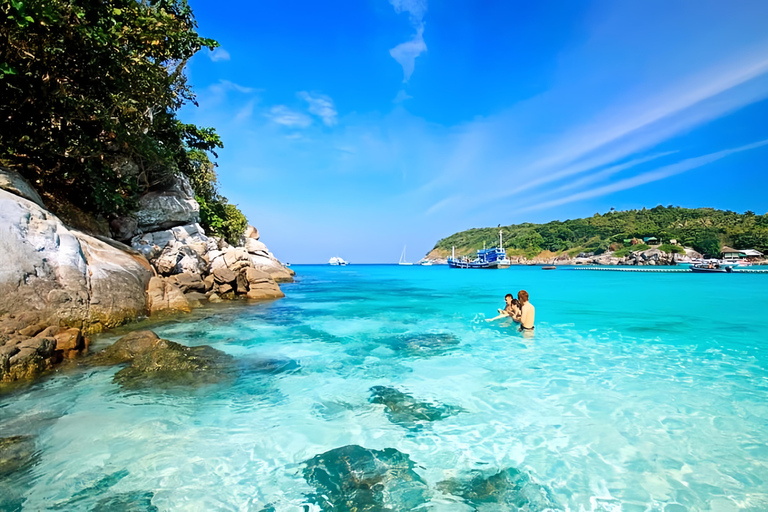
point(69, 339)
point(508, 489)
point(405, 410)
point(163, 296)
point(14, 183)
point(357, 478)
point(17, 453)
point(261, 286)
point(187, 281)
point(26, 358)
point(171, 205)
point(124, 228)
point(155, 362)
point(64, 274)
point(253, 246)
point(178, 257)
point(251, 232)
point(272, 266)
point(224, 275)
point(186, 234)
point(424, 344)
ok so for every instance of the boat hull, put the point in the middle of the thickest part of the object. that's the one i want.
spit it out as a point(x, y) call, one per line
point(711, 270)
point(475, 264)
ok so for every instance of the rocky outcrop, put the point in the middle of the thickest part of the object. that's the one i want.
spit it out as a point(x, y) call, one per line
point(172, 205)
point(30, 346)
point(356, 478)
point(508, 489)
point(157, 363)
point(403, 409)
point(65, 275)
point(56, 277)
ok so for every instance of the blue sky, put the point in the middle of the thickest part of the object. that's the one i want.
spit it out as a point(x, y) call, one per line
point(353, 128)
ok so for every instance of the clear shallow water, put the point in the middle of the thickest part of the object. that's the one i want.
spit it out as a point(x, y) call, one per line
point(639, 392)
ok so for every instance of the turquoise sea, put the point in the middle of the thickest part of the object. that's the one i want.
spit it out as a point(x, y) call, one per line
point(638, 392)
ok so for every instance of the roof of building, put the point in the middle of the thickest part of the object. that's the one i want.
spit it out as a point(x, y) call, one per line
point(727, 249)
point(751, 252)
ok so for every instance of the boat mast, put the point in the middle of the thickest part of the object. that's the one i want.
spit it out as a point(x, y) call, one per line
point(453, 252)
point(501, 245)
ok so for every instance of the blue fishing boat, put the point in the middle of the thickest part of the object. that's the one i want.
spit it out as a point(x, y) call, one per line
point(495, 257)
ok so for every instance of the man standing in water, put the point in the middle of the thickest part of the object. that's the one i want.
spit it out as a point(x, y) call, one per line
point(528, 312)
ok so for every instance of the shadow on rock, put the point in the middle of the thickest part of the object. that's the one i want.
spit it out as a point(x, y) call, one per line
point(158, 363)
point(353, 478)
point(507, 490)
point(424, 344)
point(403, 409)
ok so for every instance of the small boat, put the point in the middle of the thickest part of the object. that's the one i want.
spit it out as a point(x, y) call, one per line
point(337, 261)
point(495, 257)
point(711, 268)
point(425, 263)
point(402, 259)
point(548, 267)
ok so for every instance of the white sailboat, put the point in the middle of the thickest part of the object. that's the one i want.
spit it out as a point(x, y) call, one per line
point(402, 259)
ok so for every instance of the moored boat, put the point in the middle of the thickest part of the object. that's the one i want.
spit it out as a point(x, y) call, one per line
point(337, 261)
point(711, 268)
point(548, 267)
point(495, 257)
point(402, 259)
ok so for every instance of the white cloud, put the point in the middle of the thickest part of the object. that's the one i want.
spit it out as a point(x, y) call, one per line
point(401, 96)
point(219, 54)
point(245, 112)
point(648, 177)
point(322, 106)
point(416, 8)
point(283, 115)
point(405, 53)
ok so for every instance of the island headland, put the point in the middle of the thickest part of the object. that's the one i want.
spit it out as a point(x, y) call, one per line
point(655, 236)
point(109, 204)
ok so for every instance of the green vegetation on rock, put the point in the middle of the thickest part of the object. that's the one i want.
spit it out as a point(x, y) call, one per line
point(704, 229)
point(89, 93)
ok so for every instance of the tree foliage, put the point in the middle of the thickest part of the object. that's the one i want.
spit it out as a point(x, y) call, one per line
point(89, 92)
point(704, 229)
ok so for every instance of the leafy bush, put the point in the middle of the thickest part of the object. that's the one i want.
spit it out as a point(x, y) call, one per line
point(671, 249)
point(639, 247)
point(222, 219)
point(620, 253)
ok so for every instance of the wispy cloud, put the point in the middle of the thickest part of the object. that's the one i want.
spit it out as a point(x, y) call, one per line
point(219, 54)
point(284, 116)
point(401, 96)
point(405, 53)
point(648, 177)
point(322, 106)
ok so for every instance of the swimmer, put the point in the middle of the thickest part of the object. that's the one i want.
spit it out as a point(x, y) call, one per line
point(511, 310)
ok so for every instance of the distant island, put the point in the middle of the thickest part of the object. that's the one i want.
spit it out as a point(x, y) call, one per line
point(619, 236)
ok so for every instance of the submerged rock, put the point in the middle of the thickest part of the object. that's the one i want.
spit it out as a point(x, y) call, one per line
point(508, 490)
point(16, 453)
point(353, 478)
point(155, 362)
point(136, 501)
point(425, 344)
point(403, 409)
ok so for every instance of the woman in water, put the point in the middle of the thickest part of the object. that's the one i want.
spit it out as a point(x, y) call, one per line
point(511, 310)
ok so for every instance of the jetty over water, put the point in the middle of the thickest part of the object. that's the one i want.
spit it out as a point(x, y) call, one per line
point(668, 270)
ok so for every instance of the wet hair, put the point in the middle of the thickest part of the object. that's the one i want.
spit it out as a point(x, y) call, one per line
point(509, 295)
point(516, 302)
point(523, 296)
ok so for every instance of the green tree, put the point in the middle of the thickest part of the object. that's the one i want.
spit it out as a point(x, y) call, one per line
point(87, 85)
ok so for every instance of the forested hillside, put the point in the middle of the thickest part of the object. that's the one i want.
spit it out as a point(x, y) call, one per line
point(89, 93)
point(704, 229)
